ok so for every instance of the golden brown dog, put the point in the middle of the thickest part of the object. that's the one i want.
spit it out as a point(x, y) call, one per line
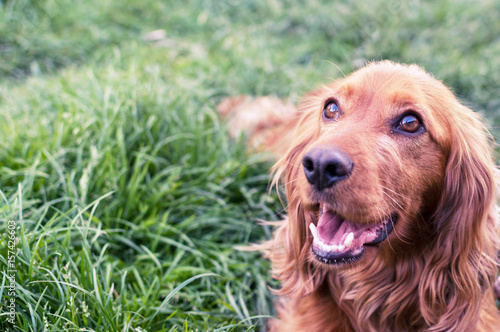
point(392, 222)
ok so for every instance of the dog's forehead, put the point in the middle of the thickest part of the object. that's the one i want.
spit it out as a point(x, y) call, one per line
point(376, 100)
point(382, 95)
point(390, 89)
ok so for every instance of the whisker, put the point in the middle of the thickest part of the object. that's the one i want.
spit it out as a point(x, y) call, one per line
point(333, 64)
point(392, 191)
point(395, 202)
point(289, 163)
point(289, 182)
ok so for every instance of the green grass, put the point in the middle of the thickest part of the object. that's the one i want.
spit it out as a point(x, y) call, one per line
point(128, 195)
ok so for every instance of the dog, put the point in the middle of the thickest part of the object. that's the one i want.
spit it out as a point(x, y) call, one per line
point(392, 222)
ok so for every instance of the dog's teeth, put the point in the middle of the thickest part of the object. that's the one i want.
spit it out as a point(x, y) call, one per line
point(314, 230)
point(348, 239)
point(357, 251)
point(334, 247)
point(341, 247)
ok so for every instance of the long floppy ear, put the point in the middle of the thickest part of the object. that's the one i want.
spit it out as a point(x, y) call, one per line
point(292, 240)
point(462, 265)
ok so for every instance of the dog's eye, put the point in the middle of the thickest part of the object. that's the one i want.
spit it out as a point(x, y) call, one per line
point(410, 123)
point(331, 111)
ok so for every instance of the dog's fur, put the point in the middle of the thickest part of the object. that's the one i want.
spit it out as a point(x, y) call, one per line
point(436, 270)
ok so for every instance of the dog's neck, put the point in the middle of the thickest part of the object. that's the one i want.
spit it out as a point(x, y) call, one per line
point(368, 303)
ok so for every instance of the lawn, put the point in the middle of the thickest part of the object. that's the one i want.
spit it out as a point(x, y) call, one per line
point(119, 181)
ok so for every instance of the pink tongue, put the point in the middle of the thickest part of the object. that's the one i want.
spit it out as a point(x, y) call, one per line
point(332, 228)
point(328, 227)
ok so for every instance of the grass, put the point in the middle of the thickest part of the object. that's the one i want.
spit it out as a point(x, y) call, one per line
point(128, 195)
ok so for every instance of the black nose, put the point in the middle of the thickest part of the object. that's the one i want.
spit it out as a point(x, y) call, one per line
point(326, 166)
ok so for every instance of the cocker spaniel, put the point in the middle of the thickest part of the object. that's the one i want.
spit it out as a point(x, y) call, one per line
point(391, 198)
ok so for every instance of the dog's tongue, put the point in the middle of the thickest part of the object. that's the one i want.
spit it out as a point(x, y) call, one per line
point(328, 225)
point(332, 229)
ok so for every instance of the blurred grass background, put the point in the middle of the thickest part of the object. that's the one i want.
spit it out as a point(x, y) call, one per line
point(128, 194)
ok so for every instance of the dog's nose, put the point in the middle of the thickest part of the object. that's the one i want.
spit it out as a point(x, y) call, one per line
point(326, 166)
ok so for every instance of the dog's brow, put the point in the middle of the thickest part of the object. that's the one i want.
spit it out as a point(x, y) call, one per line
point(347, 90)
point(402, 99)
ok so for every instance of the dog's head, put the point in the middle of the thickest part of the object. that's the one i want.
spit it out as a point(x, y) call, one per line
point(386, 164)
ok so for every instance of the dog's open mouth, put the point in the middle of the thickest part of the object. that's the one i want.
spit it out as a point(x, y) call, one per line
point(337, 240)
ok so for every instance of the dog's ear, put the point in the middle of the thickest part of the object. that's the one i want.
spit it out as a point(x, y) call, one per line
point(292, 240)
point(462, 262)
